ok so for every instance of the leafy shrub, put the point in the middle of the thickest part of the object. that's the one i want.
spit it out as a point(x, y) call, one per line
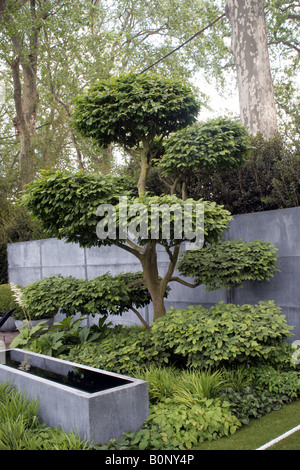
point(268, 389)
point(8, 302)
point(276, 381)
point(230, 263)
point(27, 335)
point(125, 350)
point(226, 334)
point(172, 425)
point(60, 338)
point(286, 182)
point(268, 180)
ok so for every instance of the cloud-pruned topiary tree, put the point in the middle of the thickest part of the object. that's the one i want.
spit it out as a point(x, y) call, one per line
point(137, 112)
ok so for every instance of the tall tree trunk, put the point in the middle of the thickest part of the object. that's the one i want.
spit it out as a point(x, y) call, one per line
point(25, 89)
point(250, 51)
point(26, 104)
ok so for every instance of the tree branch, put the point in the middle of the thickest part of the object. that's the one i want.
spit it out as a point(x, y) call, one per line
point(141, 318)
point(286, 43)
point(7, 17)
point(126, 248)
point(136, 283)
point(181, 281)
point(134, 246)
point(168, 276)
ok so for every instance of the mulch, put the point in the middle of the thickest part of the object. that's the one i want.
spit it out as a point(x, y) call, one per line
point(7, 337)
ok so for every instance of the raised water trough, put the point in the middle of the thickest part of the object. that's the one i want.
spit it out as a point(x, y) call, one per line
point(96, 404)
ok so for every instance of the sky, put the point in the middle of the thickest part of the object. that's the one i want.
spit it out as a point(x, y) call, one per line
point(220, 105)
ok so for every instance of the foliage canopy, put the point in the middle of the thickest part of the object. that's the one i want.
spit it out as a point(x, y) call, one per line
point(131, 108)
point(221, 144)
point(66, 204)
point(229, 263)
point(102, 295)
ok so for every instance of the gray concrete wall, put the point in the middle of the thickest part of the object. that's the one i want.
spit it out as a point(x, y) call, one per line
point(282, 228)
point(30, 261)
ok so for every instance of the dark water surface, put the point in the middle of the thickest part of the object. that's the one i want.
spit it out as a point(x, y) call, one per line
point(75, 377)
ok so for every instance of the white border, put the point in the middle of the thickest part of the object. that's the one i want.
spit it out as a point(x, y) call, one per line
point(283, 436)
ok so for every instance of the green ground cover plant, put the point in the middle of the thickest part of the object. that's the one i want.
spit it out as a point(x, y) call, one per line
point(173, 425)
point(185, 413)
point(20, 428)
point(61, 337)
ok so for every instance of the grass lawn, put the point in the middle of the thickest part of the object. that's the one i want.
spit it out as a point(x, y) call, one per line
point(260, 431)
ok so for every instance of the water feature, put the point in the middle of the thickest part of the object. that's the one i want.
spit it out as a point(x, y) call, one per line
point(89, 381)
point(96, 404)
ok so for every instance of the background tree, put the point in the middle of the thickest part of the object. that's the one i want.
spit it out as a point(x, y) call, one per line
point(110, 37)
point(62, 47)
point(251, 56)
point(22, 50)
